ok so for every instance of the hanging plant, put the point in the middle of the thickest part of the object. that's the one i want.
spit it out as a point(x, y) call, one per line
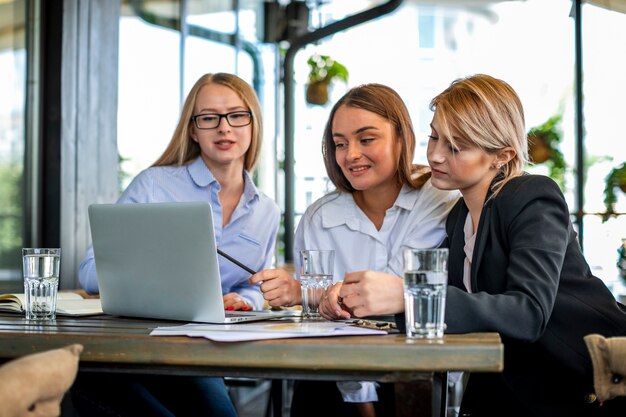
point(543, 148)
point(322, 71)
point(615, 179)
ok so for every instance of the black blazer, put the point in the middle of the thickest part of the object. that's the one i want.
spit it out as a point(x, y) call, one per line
point(530, 283)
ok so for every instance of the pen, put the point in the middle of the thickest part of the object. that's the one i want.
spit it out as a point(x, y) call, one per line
point(236, 262)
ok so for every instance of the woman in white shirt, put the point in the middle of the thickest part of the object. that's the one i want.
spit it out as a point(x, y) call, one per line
point(383, 204)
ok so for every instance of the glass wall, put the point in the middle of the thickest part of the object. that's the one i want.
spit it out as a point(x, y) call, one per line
point(12, 137)
point(149, 96)
point(419, 49)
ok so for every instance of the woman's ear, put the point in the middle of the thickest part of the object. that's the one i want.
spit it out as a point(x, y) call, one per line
point(192, 134)
point(504, 156)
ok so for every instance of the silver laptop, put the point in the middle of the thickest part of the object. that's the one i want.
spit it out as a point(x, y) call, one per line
point(159, 260)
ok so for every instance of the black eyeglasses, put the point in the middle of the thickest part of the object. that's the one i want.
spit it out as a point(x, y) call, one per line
point(213, 120)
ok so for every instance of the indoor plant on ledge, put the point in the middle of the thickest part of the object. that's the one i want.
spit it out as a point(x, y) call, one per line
point(543, 147)
point(323, 70)
point(615, 179)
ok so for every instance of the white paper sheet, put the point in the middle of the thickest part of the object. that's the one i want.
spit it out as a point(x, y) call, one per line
point(241, 332)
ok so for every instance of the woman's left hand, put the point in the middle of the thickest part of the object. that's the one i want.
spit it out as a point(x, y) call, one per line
point(330, 307)
point(233, 301)
point(370, 293)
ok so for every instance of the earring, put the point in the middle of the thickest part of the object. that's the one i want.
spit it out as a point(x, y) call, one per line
point(500, 165)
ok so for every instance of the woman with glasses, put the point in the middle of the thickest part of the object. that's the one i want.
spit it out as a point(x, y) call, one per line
point(214, 148)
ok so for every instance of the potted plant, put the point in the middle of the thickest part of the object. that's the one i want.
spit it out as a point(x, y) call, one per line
point(323, 70)
point(615, 179)
point(543, 147)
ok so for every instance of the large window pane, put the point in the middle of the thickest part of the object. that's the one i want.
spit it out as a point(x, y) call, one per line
point(604, 66)
point(149, 93)
point(12, 137)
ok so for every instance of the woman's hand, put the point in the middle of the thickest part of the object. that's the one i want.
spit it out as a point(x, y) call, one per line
point(330, 307)
point(233, 301)
point(279, 288)
point(370, 293)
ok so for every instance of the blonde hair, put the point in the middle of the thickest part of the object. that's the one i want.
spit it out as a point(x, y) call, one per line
point(488, 113)
point(182, 148)
point(385, 102)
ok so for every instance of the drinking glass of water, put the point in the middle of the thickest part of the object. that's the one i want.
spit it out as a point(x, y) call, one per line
point(316, 274)
point(425, 282)
point(41, 282)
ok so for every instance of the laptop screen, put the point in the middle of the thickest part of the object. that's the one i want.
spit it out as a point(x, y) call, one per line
point(157, 260)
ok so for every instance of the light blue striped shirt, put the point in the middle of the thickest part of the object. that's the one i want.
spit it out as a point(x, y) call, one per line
point(250, 236)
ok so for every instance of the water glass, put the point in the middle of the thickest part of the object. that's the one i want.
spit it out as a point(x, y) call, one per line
point(316, 274)
point(425, 282)
point(41, 282)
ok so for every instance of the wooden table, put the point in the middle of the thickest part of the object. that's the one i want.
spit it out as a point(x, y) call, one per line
point(114, 344)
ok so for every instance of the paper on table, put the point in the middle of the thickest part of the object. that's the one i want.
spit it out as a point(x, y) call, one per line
point(82, 307)
point(263, 331)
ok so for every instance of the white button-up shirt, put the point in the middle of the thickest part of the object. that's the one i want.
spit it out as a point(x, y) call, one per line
point(416, 220)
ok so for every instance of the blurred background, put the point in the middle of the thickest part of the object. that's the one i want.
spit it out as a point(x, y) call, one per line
point(90, 93)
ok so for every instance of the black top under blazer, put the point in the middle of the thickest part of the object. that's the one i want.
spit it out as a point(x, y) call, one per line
point(532, 285)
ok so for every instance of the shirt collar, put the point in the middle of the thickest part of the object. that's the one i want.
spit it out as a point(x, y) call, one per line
point(203, 177)
point(199, 173)
point(342, 210)
point(250, 192)
point(407, 199)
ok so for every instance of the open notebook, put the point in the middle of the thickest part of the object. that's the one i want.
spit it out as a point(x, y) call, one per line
point(159, 260)
point(68, 304)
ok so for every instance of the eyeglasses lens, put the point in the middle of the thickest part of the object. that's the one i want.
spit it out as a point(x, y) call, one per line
point(213, 120)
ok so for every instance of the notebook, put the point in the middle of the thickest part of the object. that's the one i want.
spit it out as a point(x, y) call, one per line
point(159, 260)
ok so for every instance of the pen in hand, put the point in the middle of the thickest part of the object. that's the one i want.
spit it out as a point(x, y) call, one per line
point(236, 262)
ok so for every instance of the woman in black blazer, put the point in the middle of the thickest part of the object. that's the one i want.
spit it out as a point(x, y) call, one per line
point(515, 265)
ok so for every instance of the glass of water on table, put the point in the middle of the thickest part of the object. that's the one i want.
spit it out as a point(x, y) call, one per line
point(316, 274)
point(41, 282)
point(425, 283)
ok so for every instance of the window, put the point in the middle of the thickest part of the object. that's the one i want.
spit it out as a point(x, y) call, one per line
point(426, 28)
point(12, 137)
point(531, 45)
point(604, 66)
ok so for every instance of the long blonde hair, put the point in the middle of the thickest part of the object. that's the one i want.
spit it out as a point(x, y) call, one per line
point(487, 112)
point(182, 148)
point(385, 102)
